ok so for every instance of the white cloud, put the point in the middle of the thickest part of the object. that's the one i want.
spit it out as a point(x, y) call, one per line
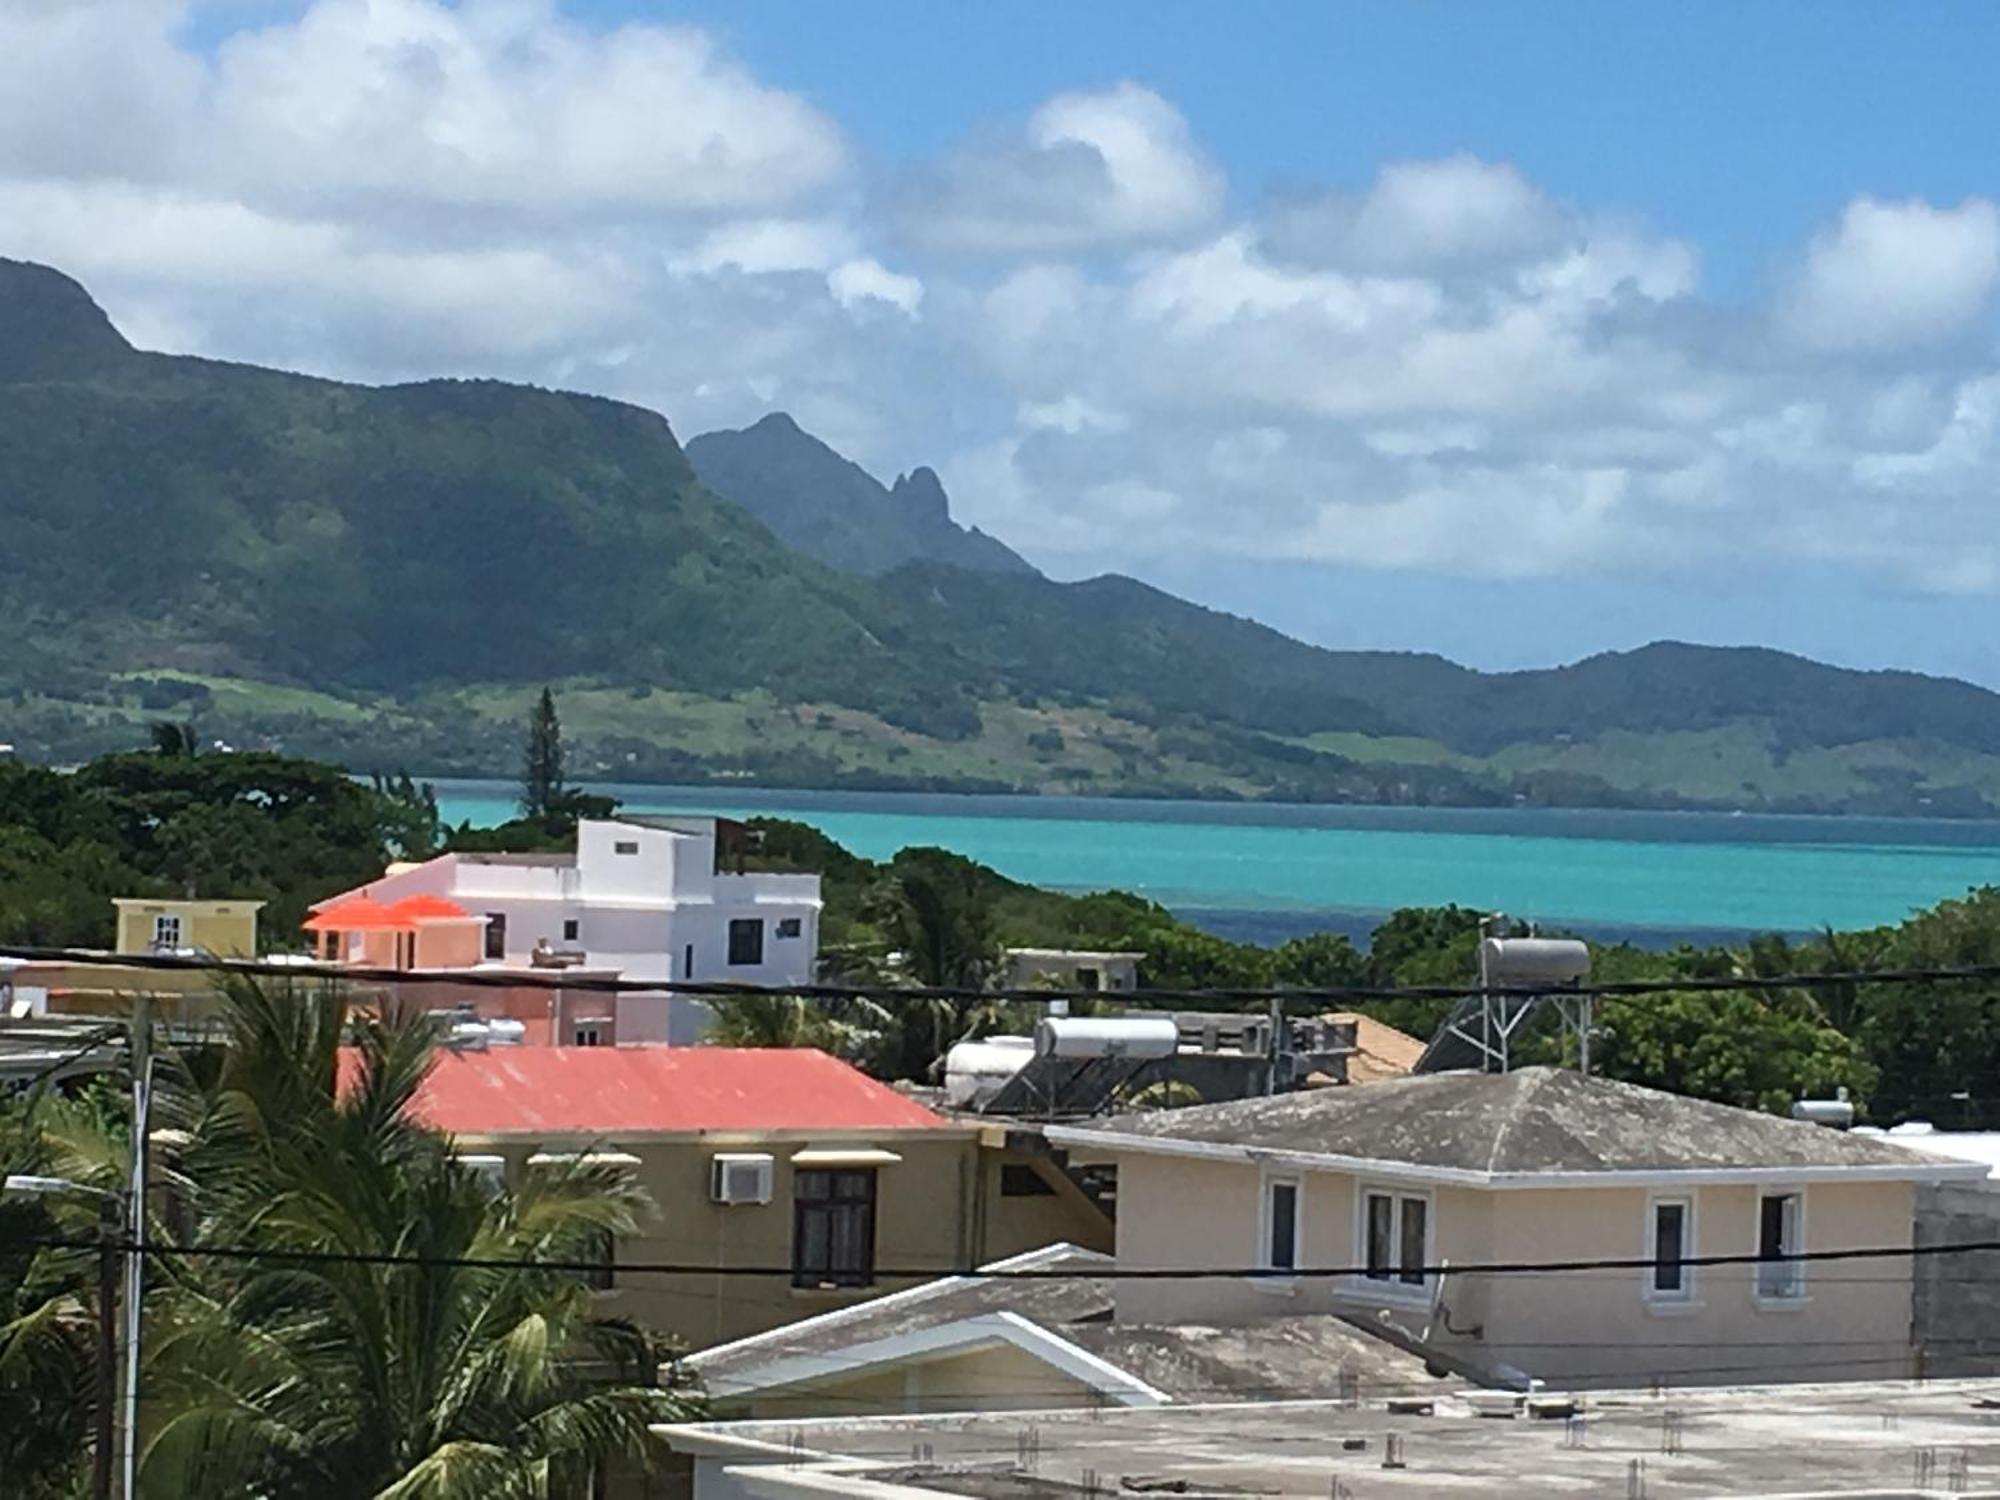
point(1420, 215)
point(1893, 275)
point(1449, 371)
point(760, 246)
point(94, 87)
point(866, 280)
point(502, 103)
point(484, 105)
point(1111, 167)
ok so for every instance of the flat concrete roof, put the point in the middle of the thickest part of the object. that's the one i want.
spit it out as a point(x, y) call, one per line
point(1873, 1439)
point(1314, 1355)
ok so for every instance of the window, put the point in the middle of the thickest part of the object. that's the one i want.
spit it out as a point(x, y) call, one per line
point(1395, 1237)
point(790, 927)
point(687, 962)
point(833, 1227)
point(1019, 1180)
point(496, 934)
point(1281, 1224)
point(1669, 1244)
point(571, 927)
point(1780, 1233)
point(746, 940)
point(167, 932)
point(1089, 979)
point(625, 846)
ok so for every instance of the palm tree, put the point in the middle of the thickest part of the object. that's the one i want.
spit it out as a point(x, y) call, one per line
point(334, 1373)
point(776, 1019)
point(48, 1320)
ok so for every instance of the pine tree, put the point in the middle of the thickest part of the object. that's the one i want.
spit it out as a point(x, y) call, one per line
point(542, 789)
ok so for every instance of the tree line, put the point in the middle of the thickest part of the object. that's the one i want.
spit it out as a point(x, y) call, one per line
point(291, 832)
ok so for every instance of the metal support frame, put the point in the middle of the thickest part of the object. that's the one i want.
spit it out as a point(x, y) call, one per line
point(1489, 1024)
point(1502, 1014)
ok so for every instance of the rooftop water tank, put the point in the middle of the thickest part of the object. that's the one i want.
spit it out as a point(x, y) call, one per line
point(976, 1071)
point(1836, 1113)
point(1519, 962)
point(1107, 1036)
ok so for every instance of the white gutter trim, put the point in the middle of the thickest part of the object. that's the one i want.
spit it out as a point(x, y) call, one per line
point(824, 1482)
point(709, 1440)
point(1939, 1170)
point(1027, 1260)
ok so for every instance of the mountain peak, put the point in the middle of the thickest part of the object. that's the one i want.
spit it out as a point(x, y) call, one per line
point(50, 329)
point(832, 509)
point(921, 493)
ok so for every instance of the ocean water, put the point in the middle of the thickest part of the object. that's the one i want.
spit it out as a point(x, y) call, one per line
point(1264, 871)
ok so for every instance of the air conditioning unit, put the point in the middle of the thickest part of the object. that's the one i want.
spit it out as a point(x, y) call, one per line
point(741, 1177)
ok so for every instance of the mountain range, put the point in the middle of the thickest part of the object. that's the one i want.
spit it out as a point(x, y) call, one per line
point(385, 575)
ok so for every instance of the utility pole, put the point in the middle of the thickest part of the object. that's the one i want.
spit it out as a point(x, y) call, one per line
point(108, 1251)
point(135, 1225)
point(1278, 1047)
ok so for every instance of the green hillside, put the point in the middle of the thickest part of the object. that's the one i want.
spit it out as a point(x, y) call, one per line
point(382, 576)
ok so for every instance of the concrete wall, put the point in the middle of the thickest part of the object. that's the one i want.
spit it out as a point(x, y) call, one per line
point(1600, 1327)
point(1958, 1296)
point(1584, 1328)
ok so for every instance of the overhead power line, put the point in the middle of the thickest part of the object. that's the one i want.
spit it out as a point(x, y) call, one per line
point(302, 1256)
point(1142, 998)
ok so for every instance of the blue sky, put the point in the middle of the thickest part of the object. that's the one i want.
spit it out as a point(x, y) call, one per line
point(1741, 125)
point(1513, 332)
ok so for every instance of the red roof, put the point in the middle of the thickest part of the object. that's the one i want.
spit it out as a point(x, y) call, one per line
point(548, 1091)
point(366, 914)
point(352, 914)
point(421, 908)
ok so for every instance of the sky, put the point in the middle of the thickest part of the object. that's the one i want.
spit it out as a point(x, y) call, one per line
point(1512, 332)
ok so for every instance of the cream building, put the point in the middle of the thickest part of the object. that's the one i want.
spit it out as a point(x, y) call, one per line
point(1386, 1202)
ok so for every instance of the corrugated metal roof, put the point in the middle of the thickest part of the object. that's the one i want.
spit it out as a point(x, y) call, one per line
point(613, 1091)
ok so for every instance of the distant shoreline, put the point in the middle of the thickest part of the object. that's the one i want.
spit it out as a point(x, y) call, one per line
point(1649, 877)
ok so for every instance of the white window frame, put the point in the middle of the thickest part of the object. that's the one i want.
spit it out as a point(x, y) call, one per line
point(1685, 1297)
point(162, 922)
point(1267, 1182)
point(1795, 1296)
point(1394, 1288)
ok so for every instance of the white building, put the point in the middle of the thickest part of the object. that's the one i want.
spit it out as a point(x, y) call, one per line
point(646, 898)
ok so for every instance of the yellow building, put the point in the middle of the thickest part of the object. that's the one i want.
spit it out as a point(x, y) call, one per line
point(225, 929)
point(149, 925)
point(786, 1183)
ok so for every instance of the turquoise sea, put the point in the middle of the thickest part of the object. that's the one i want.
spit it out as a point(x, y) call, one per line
point(1263, 870)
